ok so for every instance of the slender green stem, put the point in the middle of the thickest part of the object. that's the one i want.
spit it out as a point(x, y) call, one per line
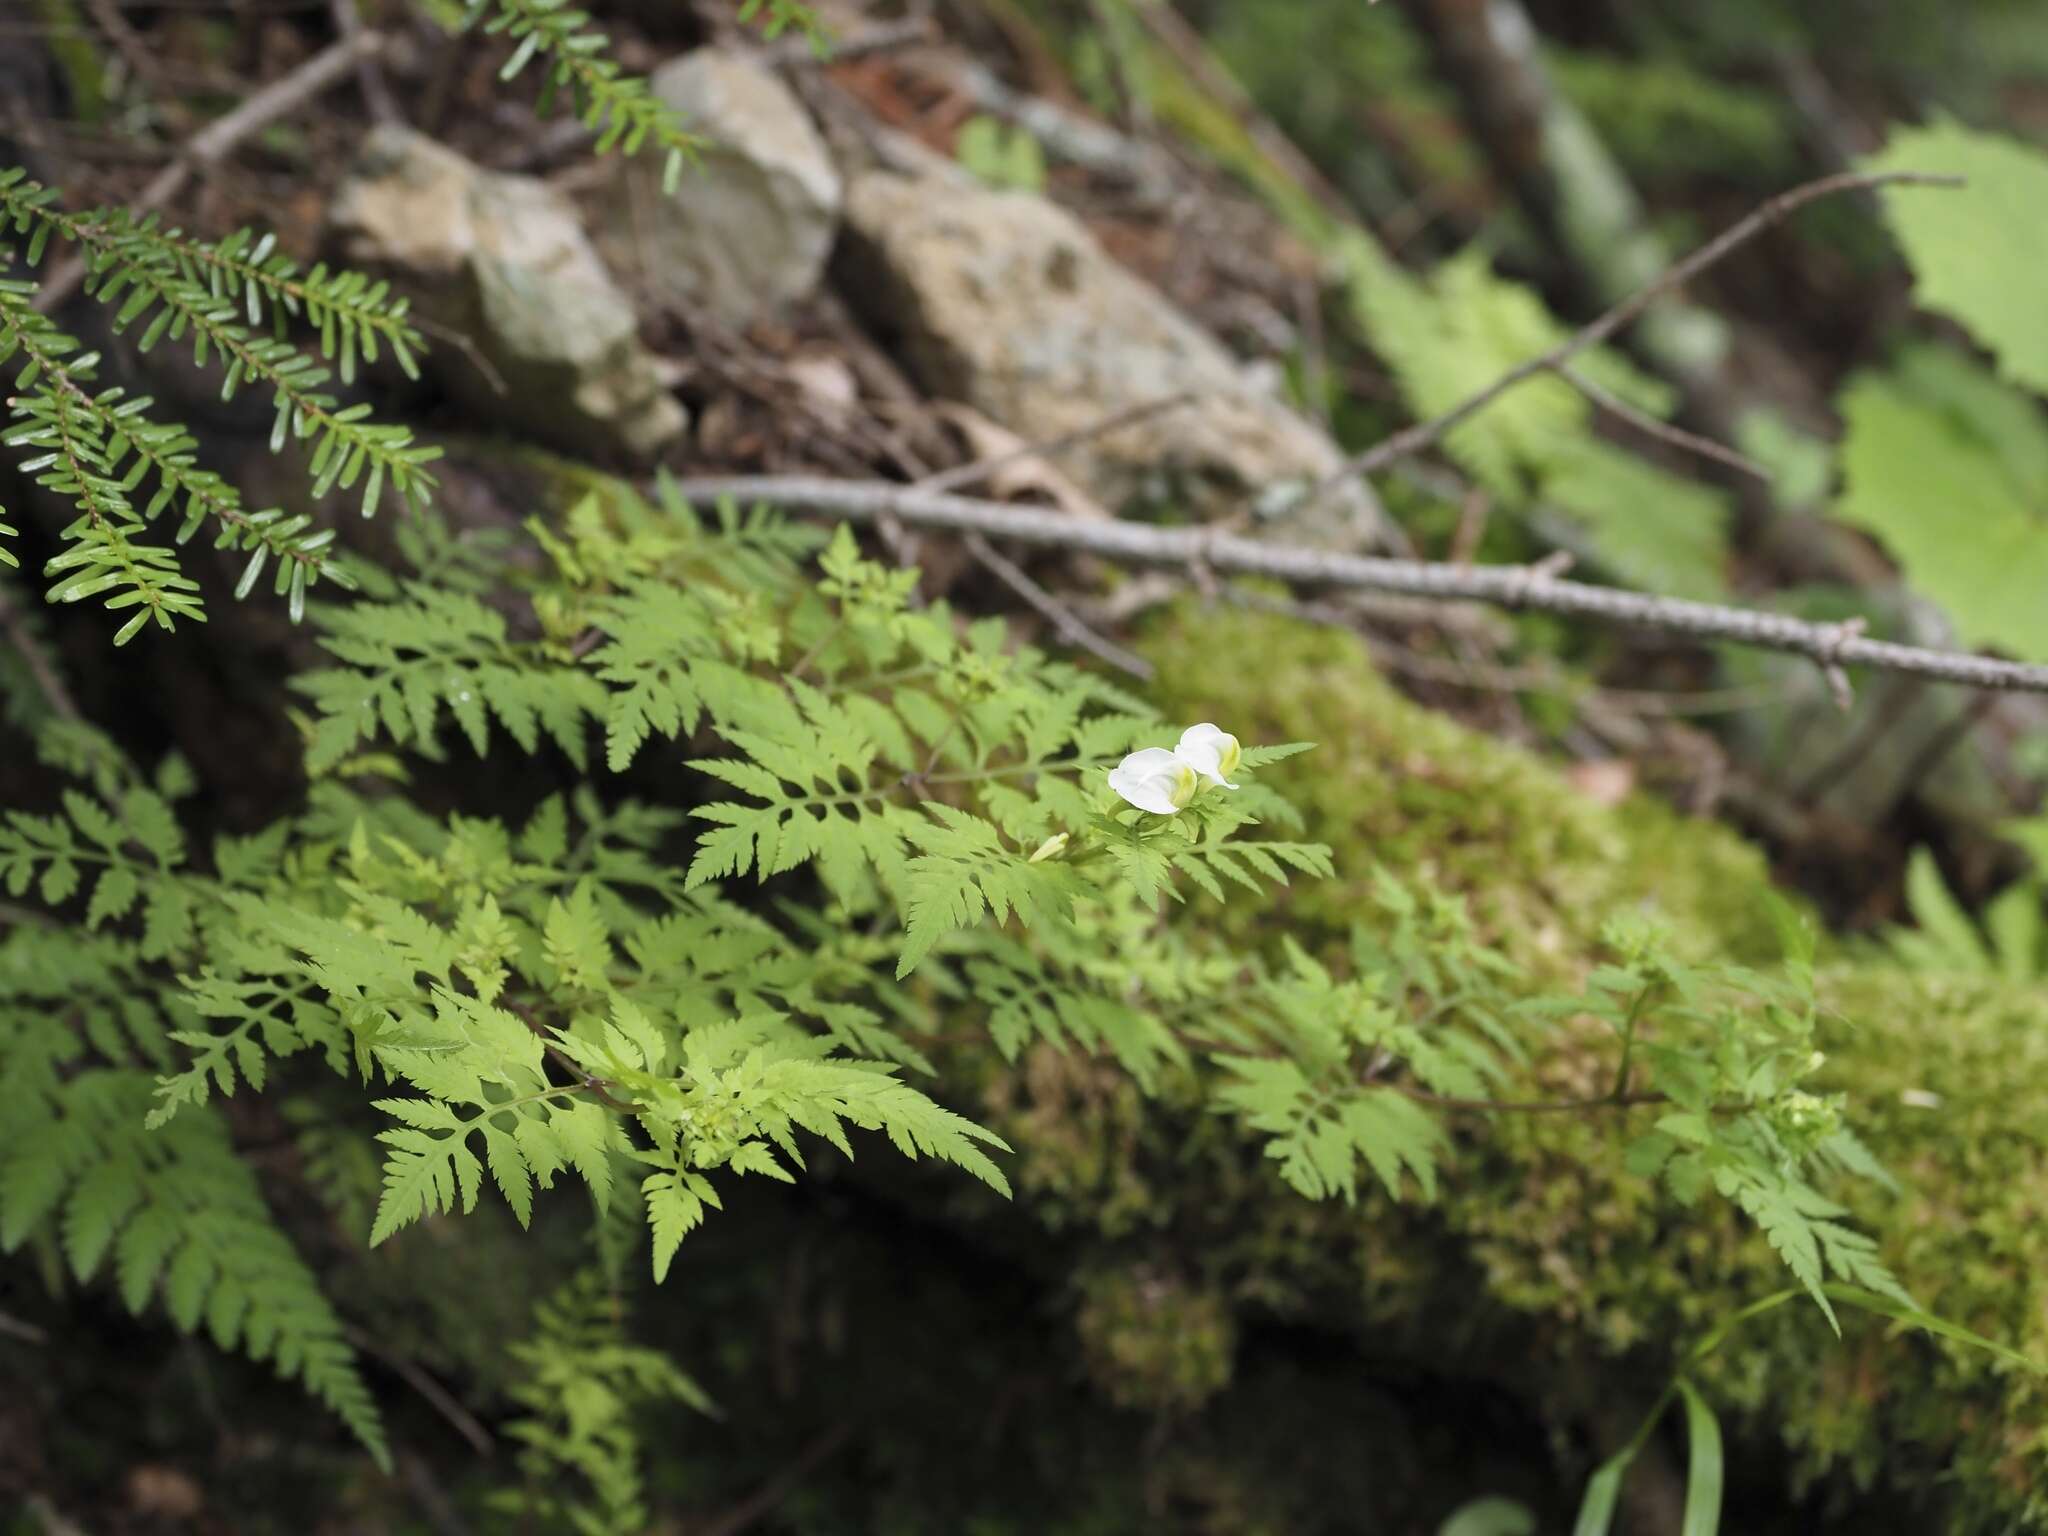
point(832, 632)
point(1628, 1040)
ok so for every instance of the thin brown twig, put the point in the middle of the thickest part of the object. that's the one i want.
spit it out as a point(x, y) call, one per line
point(1425, 434)
point(14, 625)
point(1947, 739)
point(1179, 39)
point(438, 1397)
point(369, 78)
point(980, 469)
point(1062, 618)
point(882, 37)
point(762, 1501)
point(128, 43)
point(219, 137)
point(1833, 646)
point(466, 345)
point(1689, 442)
point(14, 1328)
point(1072, 628)
point(1890, 709)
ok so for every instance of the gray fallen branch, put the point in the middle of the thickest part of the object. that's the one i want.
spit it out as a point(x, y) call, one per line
point(1833, 646)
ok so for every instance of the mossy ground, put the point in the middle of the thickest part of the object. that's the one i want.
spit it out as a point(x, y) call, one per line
point(1541, 1235)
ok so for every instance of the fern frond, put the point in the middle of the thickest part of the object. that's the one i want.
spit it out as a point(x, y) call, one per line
point(180, 1216)
point(964, 873)
point(584, 1386)
point(1319, 1139)
point(406, 662)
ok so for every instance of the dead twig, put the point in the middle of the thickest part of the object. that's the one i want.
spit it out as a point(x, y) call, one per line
point(1833, 646)
point(106, 15)
point(1069, 624)
point(1937, 747)
point(25, 645)
point(1688, 442)
point(218, 138)
point(14, 1328)
point(435, 1395)
point(967, 474)
point(1143, 166)
point(1061, 617)
point(763, 1500)
point(882, 37)
point(369, 78)
point(1195, 56)
point(1425, 434)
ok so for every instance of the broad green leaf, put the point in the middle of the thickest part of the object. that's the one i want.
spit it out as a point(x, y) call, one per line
point(1950, 470)
point(1454, 332)
point(1976, 250)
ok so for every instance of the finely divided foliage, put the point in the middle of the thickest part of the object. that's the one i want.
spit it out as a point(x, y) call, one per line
point(596, 995)
point(896, 820)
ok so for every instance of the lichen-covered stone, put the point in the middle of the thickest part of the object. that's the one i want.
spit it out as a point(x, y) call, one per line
point(1007, 303)
point(749, 227)
point(503, 261)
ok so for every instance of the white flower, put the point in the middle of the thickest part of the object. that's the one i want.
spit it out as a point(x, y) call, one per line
point(1210, 752)
point(1155, 780)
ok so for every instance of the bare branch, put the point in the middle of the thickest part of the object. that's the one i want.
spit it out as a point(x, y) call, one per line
point(883, 37)
point(1425, 434)
point(1071, 627)
point(128, 43)
point(438, 1397)
point(967, 474)
point(1537, 587)
point(369, 78)
point(1203, 68)
point(14, 626)
point(1690, 442)
point(1061, 617)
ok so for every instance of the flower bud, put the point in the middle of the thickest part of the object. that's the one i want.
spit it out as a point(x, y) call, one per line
point(1051, 848)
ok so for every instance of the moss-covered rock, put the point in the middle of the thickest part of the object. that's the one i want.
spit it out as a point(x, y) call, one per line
point(1545, 1266)
point(1392, 783)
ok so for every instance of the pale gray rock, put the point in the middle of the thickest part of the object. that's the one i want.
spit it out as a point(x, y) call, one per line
point(748, 230)
point(504, 260)
point(1007, 303)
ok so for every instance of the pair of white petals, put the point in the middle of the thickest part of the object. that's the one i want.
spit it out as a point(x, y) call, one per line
point(1163, 782)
